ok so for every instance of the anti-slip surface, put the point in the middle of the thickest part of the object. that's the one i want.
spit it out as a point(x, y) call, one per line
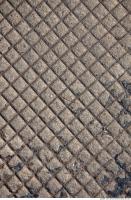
point(65, 98)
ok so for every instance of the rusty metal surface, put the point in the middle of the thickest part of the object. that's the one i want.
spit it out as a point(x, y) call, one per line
point(65, 98)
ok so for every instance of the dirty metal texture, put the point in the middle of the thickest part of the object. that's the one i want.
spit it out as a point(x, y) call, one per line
point(65, 98)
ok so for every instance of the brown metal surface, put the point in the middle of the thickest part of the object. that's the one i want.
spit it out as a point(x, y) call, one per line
point(65, 98)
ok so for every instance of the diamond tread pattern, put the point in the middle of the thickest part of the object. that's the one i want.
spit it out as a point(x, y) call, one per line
point(65, 98)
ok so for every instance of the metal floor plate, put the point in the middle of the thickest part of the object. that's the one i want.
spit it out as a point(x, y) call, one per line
point(65, 98)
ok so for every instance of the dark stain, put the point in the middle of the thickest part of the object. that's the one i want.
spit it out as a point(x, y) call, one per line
point(109, 101)
point(119, 163)
point(63, 194)
point(124, 119)
point(91, 122)
point(2, 166)
point(77, 94)
point(6, 177)
point(126, 103)
point(79, 111)
point(18, 167)
point(35, 151)
point(128, 193)
point(122, 184)
point(61, 146)
point(31, 194)
point(2, 134)
point(113, 92)
point(105, 180)
point(55, 170)
point(127, 86)
point(8, 158)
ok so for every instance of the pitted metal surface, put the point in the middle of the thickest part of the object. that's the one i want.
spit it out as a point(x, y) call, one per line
point(65, 98)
